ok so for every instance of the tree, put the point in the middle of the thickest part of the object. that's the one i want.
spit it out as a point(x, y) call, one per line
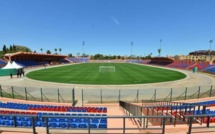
point(35, 51)
point(41, 50)
point(11, 48)
point(14, 48)
point(4, 49)
point(60, 50)
point(78, 54)
point(55, 50)
point(48, 52)
point(70, 55)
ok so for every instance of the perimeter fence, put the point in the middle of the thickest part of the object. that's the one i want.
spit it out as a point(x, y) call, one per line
point(81, 96)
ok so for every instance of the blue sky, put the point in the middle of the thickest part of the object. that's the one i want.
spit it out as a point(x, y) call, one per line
point(109, 26)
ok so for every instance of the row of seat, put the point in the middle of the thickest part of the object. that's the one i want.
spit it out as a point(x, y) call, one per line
point(22, 106)
point(52, 124)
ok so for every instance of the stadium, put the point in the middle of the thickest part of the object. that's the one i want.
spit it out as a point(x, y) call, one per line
point(166, 90)
point(101, 66)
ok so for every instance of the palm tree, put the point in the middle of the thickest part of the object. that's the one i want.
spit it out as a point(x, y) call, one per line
point(55, 50)
point(41, 50)
point(60, 50)
point(48, 52)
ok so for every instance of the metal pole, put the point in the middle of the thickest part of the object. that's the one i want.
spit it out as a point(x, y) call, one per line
point(33, 125)
point(190, 125)
point(82, 97)
point(199, 92)
point(163, 130)
point(41, 92)
point(26, 95)
point(155, 95)
point(58, 95)
point(171, 95)
point(131, 49)
point(47, 126)
point(137, 95)
point(88, 121)
point(211, 91)
point(185, 94)
point(1, 91)
point(123, 125)
point(101, 95)
point(12, 92)
point(119, 95)
point(73, 97)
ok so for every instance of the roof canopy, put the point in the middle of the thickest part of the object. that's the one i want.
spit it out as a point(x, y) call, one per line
point(12, 66)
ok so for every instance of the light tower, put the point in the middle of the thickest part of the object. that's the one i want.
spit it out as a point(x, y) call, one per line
point(159, 50)
point(210, 41)
point(131, 49)
point(83, 43)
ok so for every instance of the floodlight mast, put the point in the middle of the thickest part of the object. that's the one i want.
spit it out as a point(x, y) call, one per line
point(159, 50)
point(131, 49)
point(83, 43)
point(210, 41)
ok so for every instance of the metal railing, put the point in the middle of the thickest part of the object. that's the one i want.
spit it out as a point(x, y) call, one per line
point(88, 129)
point(21, 115)
point(72, 95)
point(191, 117)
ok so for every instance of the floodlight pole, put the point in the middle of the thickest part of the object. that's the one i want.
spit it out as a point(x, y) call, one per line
point(210, 41)
point(159, 50)
point(131, 49)
point(83, 43)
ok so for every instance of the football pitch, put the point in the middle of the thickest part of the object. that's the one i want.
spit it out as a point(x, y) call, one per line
point(106, 74)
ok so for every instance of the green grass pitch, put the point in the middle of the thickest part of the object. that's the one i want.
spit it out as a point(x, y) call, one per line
point(88, 73)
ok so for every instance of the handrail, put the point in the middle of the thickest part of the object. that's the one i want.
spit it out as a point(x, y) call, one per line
point(123, 117)
point(21, 115)
point(198, 115)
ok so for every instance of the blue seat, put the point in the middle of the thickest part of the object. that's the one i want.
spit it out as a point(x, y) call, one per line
point(8, 123)
point(1, 122)
point(101, 125)
point(78, 120)
point(62, 120)
point(95, 121)
point(71, 120)
point(63, 125)
point(93, 125)
point(73, 125)
point(38, 124)
point(103, 121)
point(53, 124)
point(19, 123)
point(43, 124)
point(26, 124)
point(81, 125)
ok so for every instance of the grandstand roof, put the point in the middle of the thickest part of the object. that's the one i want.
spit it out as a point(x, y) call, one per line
point(202, 52)
point(31, 54)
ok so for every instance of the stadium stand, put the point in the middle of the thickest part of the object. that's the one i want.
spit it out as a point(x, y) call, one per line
point(162, 61)
point(80, 59)
point(20, 115)
point(2, 63)
point(181, 64)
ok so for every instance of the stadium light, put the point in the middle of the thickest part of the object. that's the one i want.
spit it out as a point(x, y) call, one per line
point(159, 50)
point(210, 41)
point(131, 49)
point(83, 43)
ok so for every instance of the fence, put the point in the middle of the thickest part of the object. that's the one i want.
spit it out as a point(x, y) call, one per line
point(185, 108)
point(88, 129)
point(81, 96)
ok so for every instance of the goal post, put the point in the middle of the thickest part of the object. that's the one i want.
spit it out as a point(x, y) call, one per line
point(103, 69)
